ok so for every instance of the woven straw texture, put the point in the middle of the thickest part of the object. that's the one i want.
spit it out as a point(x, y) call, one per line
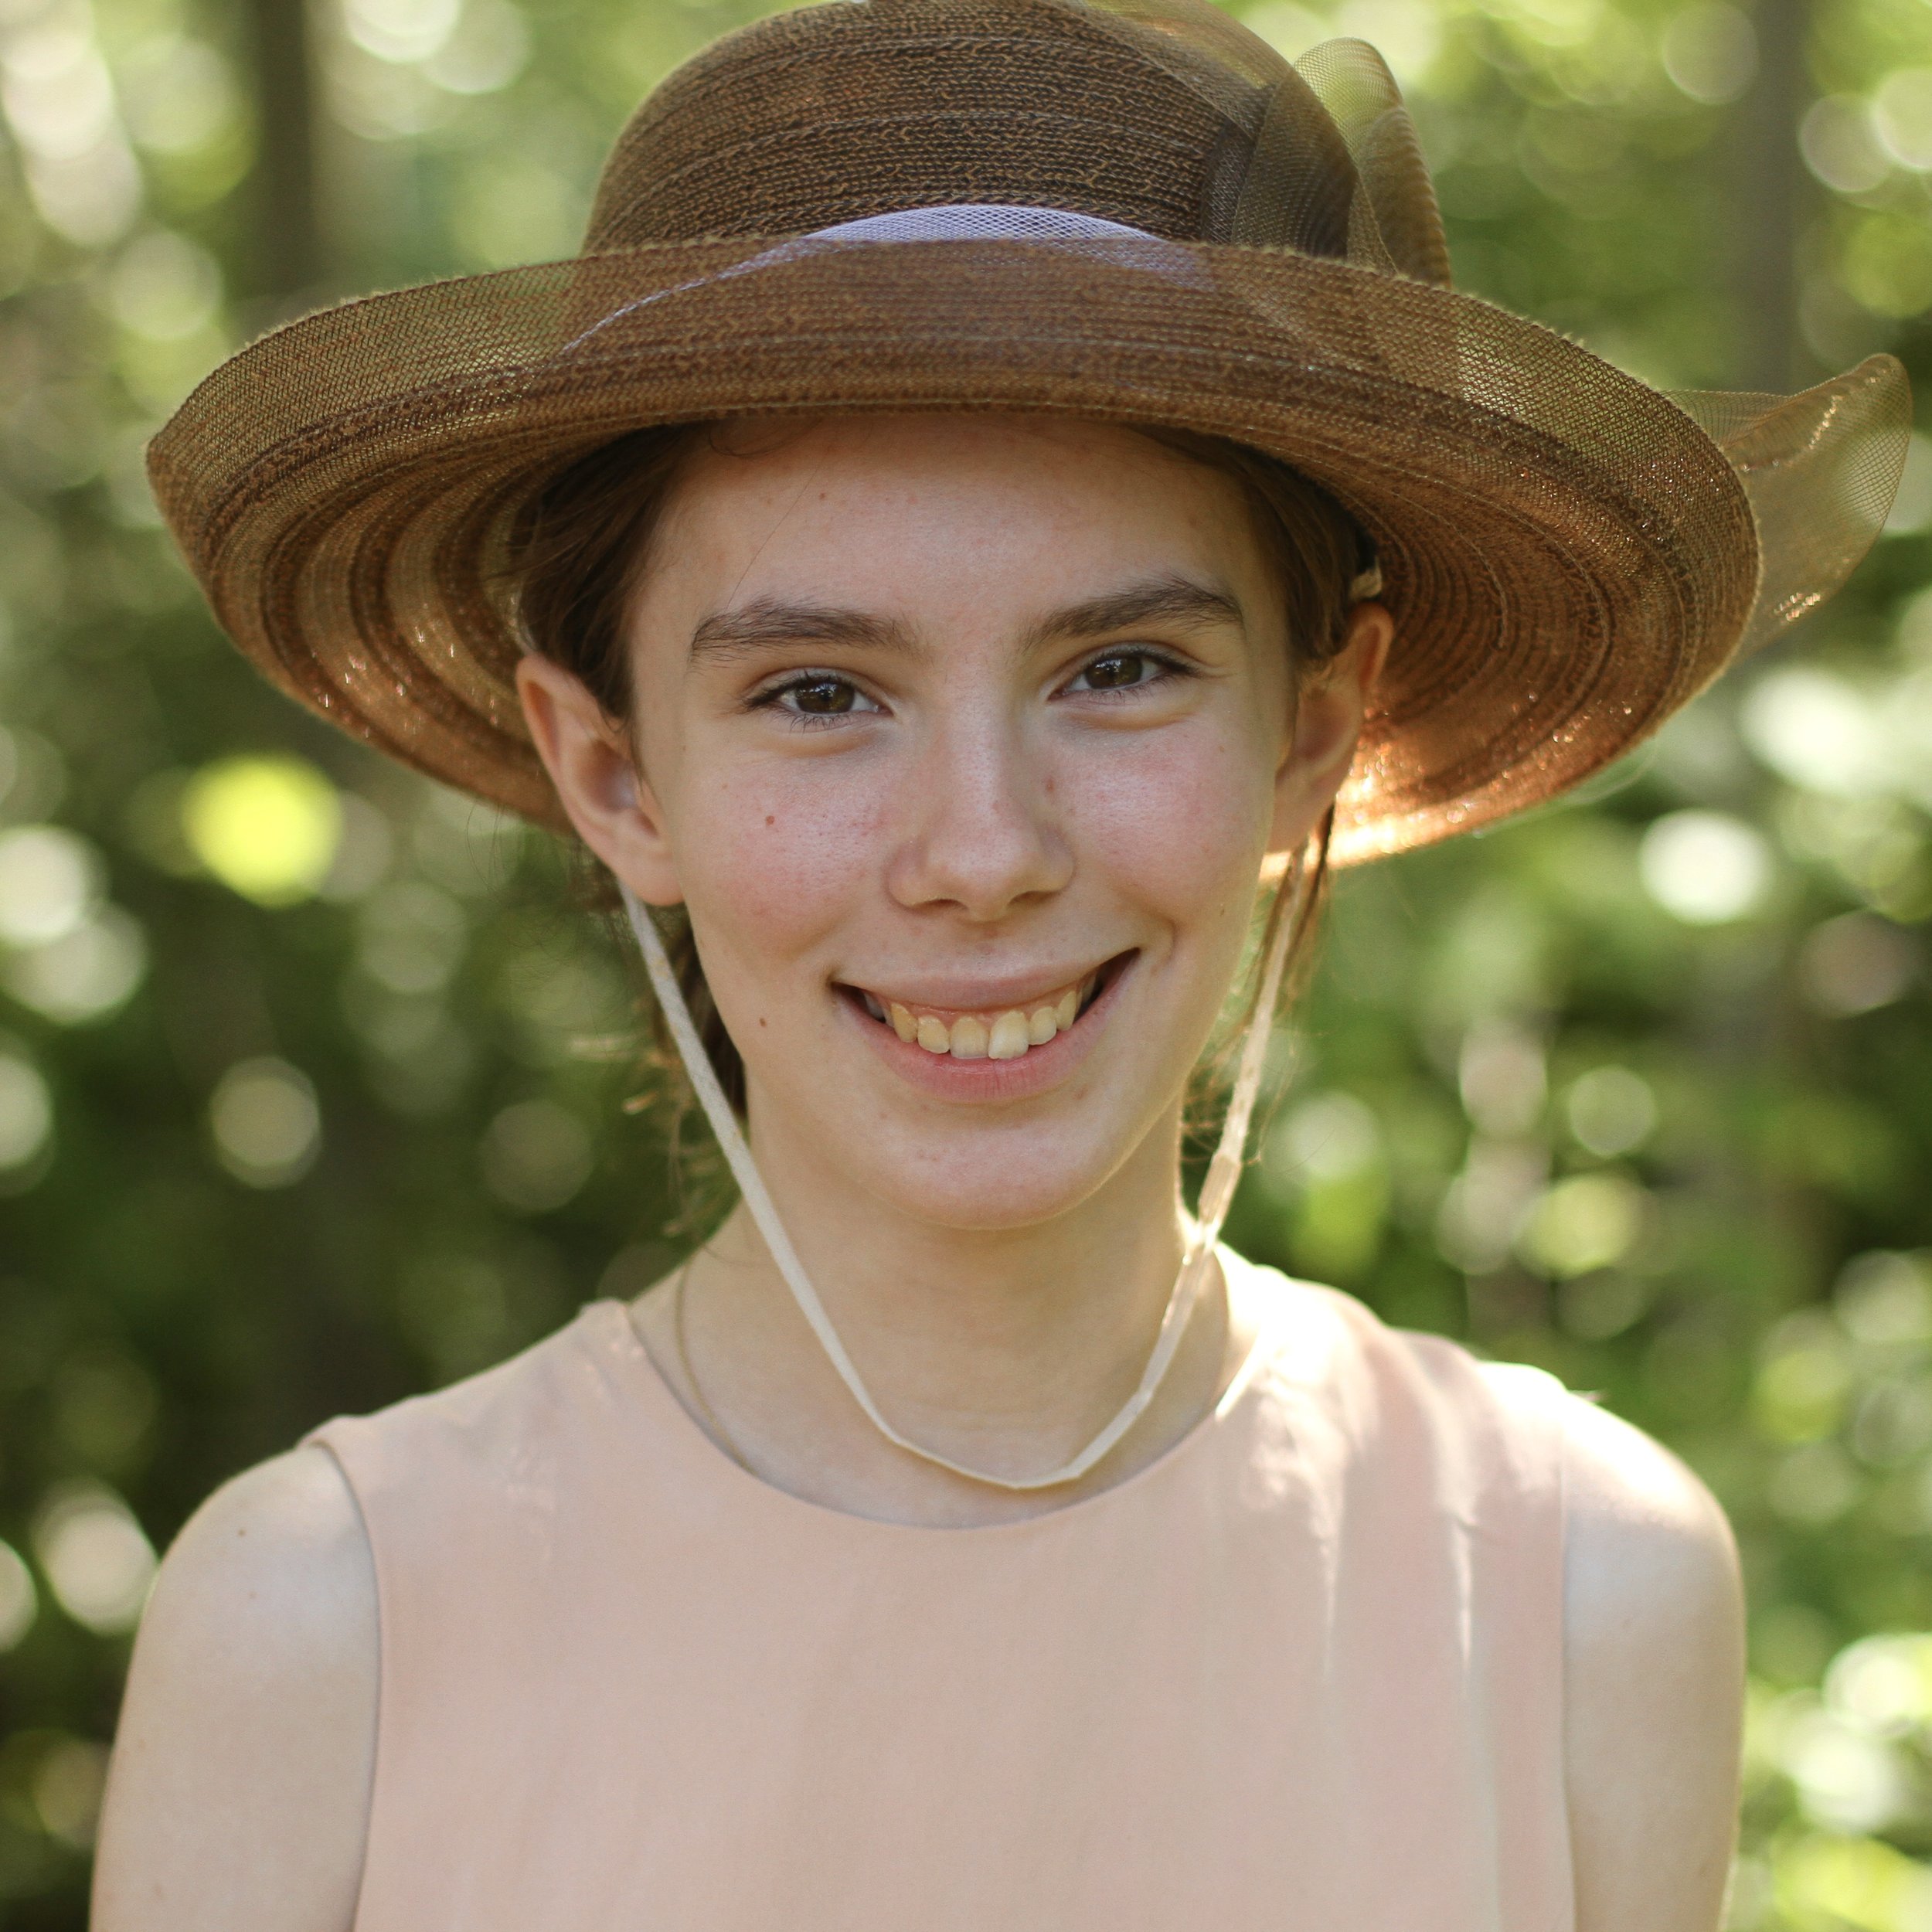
point(1569, 554)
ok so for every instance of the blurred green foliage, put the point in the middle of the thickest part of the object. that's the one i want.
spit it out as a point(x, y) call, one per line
point(310, 1075)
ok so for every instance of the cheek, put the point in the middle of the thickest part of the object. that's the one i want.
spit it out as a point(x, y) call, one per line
point(772, 862)
point(1182, 818)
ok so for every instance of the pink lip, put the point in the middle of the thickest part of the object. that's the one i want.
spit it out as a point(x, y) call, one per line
point(1036, 1070)
point(981, 996)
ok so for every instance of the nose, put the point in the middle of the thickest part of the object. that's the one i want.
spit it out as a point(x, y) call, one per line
point(983, 831)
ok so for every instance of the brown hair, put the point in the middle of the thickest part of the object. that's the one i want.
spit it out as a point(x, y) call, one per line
point(580, 545)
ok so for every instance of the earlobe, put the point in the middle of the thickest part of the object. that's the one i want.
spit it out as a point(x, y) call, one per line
point(591, 763)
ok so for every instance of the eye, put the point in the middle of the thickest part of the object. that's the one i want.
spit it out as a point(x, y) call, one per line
point(1122, 669)
point(816, 694)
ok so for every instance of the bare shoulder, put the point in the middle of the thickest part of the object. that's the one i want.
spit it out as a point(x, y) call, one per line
point(1654, 1681)
point(1649, 1549)
point(239, 1791)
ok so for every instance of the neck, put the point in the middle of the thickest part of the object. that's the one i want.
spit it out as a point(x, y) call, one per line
point(1005, 1348)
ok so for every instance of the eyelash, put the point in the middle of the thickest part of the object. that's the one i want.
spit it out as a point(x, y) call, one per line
point(1164, 666)
point(772, 699)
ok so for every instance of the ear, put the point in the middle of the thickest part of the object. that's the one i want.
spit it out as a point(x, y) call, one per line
point(594, 768)
point(1328, 713)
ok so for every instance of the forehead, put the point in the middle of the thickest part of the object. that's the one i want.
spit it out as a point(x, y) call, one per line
point(904, 508)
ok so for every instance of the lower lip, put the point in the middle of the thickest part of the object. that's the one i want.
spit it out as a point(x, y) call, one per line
point(1035, 1071)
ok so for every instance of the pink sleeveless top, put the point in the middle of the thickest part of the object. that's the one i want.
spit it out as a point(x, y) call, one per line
point(1304, 1673)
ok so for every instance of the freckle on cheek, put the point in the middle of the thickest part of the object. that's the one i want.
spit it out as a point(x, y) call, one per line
point(770, 820)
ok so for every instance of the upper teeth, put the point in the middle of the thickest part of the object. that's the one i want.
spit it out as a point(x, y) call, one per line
point(988, 1036)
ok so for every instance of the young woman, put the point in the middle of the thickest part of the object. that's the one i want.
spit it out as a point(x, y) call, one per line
point(972, 606)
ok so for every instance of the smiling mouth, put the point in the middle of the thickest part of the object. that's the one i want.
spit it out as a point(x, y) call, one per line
point(1004, 1033)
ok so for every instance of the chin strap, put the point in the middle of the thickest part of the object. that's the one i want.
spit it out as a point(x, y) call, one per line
point(1217, 1194)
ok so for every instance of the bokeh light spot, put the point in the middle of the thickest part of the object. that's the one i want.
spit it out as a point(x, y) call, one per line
point(177, 94)
point(266, 1126)
point(1611, 1110)
point(1902, 113)
point(96, 1558)
point(536, 1156)
point(1884, 1682)
point(267, 828)
point(1331, 1137)
point(85, 974)
point(1856, 964)
point(1502, 1075)
point(400, 30)
point(1589, 1221)
point(26, 1112)
point(1911, 510)
point(69, 1783)
point(1816, 731)
point(487, 51)
point(50, 880)
point(1706, 868)
point(1885, 1298)
point(1710, 52)
point(165, 288)
point(1828, 1880)
point(1841, 146)
point(1887, 262)
point(1484, 1206)
point(1847, 1779)
point(19, 1601)
point(1804, 1379)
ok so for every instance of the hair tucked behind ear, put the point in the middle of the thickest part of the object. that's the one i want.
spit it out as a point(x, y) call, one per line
point(577, 551)
point(580, 547)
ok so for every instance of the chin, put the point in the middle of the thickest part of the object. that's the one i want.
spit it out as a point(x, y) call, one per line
point(991, 1210)
point(988, 1187)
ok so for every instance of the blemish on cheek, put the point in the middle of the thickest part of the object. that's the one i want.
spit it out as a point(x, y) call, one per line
point(770, 820)
point(761, 1022)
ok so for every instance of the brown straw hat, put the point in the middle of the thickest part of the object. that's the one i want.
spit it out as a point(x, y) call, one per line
point(1137, 212)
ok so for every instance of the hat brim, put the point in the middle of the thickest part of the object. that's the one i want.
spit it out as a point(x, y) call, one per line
point(1567, 555)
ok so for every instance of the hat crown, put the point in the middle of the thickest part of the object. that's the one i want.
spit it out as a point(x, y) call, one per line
point(1169, 117)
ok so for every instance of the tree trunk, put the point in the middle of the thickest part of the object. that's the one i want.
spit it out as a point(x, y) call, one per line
point(1768, 202)
point(286, 265)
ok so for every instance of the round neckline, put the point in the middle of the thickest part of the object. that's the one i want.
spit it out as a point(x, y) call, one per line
point(708, 1460)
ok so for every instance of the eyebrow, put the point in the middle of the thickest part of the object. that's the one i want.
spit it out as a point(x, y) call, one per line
point(771, 621)
point(1168, 599)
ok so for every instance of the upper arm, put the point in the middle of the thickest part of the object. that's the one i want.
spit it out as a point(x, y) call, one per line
point(1653, 1676)
point(238, 1795)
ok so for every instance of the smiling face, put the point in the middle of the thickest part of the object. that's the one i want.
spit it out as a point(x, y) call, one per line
point(963, 738)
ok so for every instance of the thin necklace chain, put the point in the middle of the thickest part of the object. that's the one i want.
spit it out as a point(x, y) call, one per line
point(720, 1434)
